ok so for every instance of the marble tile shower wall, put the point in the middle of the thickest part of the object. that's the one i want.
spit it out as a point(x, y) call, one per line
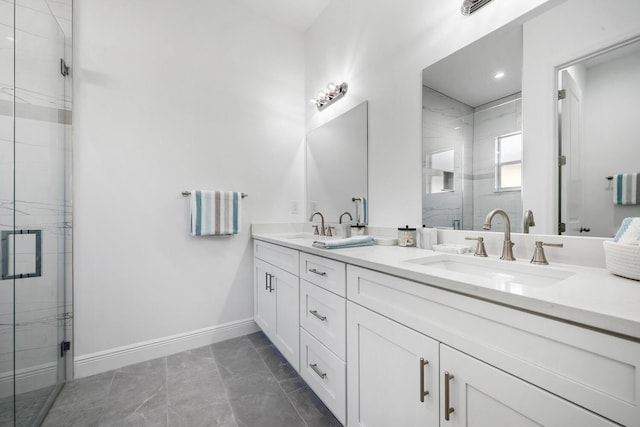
point(446, 124)
point(42, 153)
point(497, 118)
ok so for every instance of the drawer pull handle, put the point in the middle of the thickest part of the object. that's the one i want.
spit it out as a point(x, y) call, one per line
point(319, 273)
point(423, 392)
point(447, 409)
point(319, 316)
point(321, 374)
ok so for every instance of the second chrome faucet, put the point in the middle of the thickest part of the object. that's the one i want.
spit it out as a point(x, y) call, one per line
point(507, 247)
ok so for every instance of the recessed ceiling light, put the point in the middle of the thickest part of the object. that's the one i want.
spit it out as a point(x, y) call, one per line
point(498, 75)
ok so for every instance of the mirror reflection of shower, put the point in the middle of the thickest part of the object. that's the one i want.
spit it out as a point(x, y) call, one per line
point(472, 160)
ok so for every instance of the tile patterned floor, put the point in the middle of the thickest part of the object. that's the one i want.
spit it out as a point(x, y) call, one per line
point(28, 407)
point(240, 382)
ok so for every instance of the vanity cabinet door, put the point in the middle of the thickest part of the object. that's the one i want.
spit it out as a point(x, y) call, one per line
point(264, 307)
point(473, 393)
point(390, 370)
point(276, 308)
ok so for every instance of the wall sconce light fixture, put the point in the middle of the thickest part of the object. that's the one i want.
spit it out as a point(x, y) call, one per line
point(470, 6)
point(334, 93)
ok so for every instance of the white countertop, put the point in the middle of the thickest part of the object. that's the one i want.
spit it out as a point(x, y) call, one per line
point(590, 296)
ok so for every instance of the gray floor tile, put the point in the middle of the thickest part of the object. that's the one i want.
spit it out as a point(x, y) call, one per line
point(238, 357)
point(198, 414)
point(259, 339)
point(311, 408)
point(85, 392)
point(292, 384)
point(268, 410)
point(87, 417)
point(243, 382)
point(138, 394)
point(275, 361)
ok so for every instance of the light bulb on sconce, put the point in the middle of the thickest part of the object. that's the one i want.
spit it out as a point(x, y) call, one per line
point(325, 99)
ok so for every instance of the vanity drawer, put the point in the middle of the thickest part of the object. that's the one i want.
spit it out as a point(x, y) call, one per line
point(595, 370)
point(326, 273)
point(325, 373)
point(323, 315)
point(284, 258)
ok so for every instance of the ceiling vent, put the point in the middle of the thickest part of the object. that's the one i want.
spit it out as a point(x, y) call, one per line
point(471, 6)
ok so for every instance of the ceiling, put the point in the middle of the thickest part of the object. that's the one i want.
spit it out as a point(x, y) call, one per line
point(468, 74)
point(295, 14)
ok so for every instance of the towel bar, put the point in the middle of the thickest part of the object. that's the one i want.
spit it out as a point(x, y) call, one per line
point(188, 193)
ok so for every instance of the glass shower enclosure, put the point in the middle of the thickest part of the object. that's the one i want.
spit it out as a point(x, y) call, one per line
point(35, 208)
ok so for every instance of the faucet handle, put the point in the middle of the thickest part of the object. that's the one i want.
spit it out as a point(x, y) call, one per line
point(480, 249)
point(315, 230)
point(538, 253)
point(329, 230)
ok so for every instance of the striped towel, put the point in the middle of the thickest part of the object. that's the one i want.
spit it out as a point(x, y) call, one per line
point(626, 189)
point(629, 231)
point(215, 213)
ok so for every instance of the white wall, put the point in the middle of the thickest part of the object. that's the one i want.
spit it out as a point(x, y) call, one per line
point(171, 96)
point(570, 31)
point(380, 49)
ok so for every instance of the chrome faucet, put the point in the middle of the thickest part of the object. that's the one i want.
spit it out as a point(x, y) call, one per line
point(507, 247)
point(527, 221)
point(343, 214)
point(322, 232)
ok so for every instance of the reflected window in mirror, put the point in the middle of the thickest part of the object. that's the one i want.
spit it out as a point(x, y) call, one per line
point(509, 162)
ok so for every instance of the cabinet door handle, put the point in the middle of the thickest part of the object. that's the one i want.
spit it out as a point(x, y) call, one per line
point(266, 281)
point(319, 273)
point(423, 392)
point(447, 408)
point(271, 283)
point(319, 316)
point(321, 374)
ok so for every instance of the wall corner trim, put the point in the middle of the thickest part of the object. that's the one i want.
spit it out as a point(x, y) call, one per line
point(102, 361)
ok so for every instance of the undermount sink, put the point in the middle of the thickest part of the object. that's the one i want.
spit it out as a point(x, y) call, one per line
point(304, 236)
point(500, 273)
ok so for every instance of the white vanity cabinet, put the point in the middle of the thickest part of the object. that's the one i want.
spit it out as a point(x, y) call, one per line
point(393, 372)
point(276, 294)
point(517, 363)
point(382, 350)
point(474, 393)
point(323, 330)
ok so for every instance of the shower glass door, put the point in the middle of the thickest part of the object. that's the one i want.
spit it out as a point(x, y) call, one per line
point(35, 211)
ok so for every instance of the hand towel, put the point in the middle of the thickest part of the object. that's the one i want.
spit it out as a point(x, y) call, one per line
point(349, 242)
point(629, 231)
point(215, 213)
point(365, 219)
point(626, 189)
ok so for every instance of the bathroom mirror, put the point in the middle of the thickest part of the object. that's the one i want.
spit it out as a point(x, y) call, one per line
point(472, 134)
point(599, 139)
point(476, 122)
point(337, 166)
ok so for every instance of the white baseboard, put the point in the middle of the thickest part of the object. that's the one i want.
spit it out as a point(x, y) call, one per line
point(95, 363)
point(28, 379)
